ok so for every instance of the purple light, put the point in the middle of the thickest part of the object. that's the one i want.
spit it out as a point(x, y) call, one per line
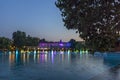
point(55, 44)
point(61, 44)
point(43, 44)
point(68, 44)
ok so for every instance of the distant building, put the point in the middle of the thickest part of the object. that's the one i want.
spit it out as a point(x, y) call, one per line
point(55, 45)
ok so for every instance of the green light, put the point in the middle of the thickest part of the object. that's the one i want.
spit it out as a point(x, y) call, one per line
point(68, 51)
point(76, 51)
point(86, 51)
point(83, 51)
point(80, 52)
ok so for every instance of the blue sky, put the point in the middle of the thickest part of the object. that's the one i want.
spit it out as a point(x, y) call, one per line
point(39, 18)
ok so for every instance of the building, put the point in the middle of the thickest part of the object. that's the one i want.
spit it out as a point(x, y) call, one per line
point(54, 45)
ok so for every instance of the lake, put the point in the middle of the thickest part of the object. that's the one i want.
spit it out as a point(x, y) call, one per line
point(55, 65)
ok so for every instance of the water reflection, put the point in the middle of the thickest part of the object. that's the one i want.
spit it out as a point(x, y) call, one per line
point(42, 57)
point(52, 57)
point(24, 58)
point(34, 57)
point(68, 57)
point(62, 65)
point(45, 57)
point(112, 59)
point(37, 57)
point(11, 58)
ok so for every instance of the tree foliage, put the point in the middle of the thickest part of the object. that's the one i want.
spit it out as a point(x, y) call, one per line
point(19, 39)
point(73, 43)
point(97, 21)
point(5, 43)
point(32, 41)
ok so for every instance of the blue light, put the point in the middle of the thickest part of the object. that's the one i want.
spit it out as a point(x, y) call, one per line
point(68, 55)
point(68, 44)
point(16, 52)
point(80, 52)
point(68, 51)
point(35, 51)
point(9, 52)
point(34, 56)
point(52, 51)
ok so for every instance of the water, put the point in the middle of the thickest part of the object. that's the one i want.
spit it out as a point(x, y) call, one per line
point(54, 65)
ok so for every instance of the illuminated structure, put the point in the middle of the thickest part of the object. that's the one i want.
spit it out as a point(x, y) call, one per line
point(55, 45)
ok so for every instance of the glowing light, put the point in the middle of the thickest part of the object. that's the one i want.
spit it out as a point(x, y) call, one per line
point(35, 51)
point(42, 57)
point(24, 58)
point(28, 51)
point(22, 51)
point(46, 52)
point(11, 58)
point(83, 51)
point(68, 51)
point(61, 52)
point(86, 51)
point(45, 57)
point(34, 57)
point(80, 52)
point(61, 44)
point(9, 52)
point(52, 56)
point(68, 44)
point(16, 52)
point(38, 58)
point(52, 51)
point(76, 51)
point(38, 51)
point(68, 55)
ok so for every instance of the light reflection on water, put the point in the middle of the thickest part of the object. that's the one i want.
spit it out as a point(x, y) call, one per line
point(37, 57)
point(52, 65)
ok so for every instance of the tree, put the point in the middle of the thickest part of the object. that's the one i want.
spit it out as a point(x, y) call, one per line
point(73, 43)
point(5, 43)
point(43, 40)
point(19, 39)
point(97, 21)
point(80, 45)
point(32, 41)
point(35, 41)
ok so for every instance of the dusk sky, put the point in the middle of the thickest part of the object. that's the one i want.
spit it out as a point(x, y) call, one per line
point(38, 18)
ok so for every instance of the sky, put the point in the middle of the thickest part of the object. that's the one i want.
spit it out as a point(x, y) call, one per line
point(38, 18)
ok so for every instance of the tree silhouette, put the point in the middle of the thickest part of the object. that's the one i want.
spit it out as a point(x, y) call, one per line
point(97, 21)
point(19, 39)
